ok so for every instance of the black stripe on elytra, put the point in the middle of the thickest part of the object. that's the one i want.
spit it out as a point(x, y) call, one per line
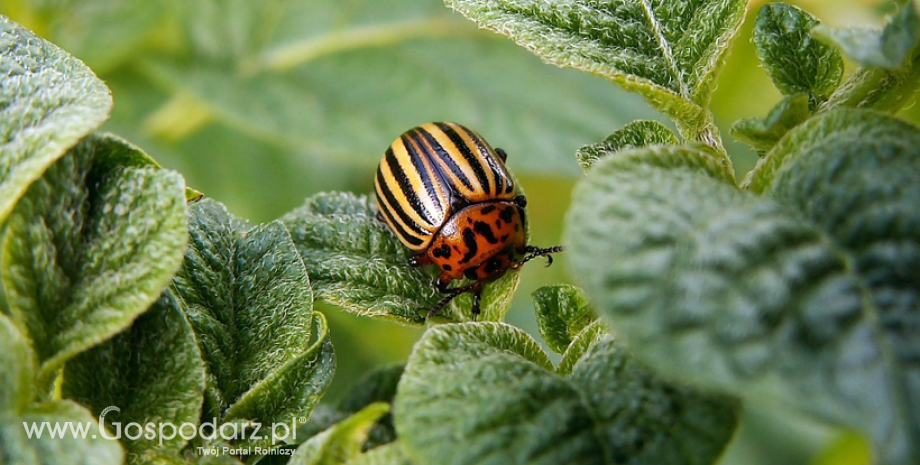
point(475, 161)
point(448, 159)
point(410, 238)
point(405, 186)
point(469, 239)
point(490, 157)
point(418, 161)
point(485, 231)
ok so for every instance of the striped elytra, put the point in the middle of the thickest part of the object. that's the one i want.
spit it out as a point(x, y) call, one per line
point(448, 197)
point(429, 170)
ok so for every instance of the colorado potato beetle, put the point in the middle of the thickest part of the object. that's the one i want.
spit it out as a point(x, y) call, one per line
point(447, 196)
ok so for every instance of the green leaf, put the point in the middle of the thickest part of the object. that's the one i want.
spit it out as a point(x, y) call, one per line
point(342, 442)
point(49, 100)
point(390, 454)
point(289, 393)
point(17, 367)
point(356, 262)
point(860, 182)
point(890, 75)
point(88, 248)
point(762, 134)
point(855, 126)
point(594, 332)
point(796, 62)
point(877, 89)
point(309, 62)
point(18, 414)
point(668, 51)
point(486, 393)
point(124, 153)
point(697, 157)
point(891, 48)
point(639, 133)
point(562, 312)
point(153, 373)
point(248, 298)
point(743, 294)
point(377, 386)
point(645, 419)
point(20, 449)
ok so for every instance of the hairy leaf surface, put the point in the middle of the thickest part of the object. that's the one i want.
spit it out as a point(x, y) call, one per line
point(486, 393)
point(89, 247)
point(763, 134)
point(795, 61)
point(668, 51)
point(18, 413)
point(635, 134)
point(768, 299)
point(152, 372)
point(49, 100)
point(356, 262)
point(562, 312)
point(248, 298)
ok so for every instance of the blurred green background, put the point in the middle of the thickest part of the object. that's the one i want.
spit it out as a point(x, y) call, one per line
point(260, 104)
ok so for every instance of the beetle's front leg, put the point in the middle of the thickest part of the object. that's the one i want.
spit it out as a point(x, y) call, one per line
point(477, 296)
point(441, 283)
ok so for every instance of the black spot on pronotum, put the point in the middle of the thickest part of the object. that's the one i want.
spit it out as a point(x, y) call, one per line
point(443, 251)
point(517, 228)
point(507, 214)
point(447, 267)
point(503, 238)
point(485, 231)
point(469, 240)
point(488, 209)
point(470, 273)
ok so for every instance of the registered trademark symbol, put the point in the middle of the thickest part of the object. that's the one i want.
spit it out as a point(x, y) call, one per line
point(303, 419)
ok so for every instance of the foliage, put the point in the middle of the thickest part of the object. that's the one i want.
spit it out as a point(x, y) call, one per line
point(796, 288)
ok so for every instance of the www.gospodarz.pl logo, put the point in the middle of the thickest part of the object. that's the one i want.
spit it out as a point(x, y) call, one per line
point(167, 431)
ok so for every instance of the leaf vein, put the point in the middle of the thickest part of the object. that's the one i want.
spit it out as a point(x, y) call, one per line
point(665, 49)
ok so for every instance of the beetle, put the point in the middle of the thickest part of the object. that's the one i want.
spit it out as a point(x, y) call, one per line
point(447, 196)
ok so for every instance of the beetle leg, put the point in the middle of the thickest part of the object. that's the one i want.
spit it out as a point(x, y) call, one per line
point(441, 283)
point(379, 216)
point(535, 252)
point(477, 295)
point(451, 293)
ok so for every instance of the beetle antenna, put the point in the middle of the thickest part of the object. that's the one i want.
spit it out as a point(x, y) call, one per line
point(538, 252)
